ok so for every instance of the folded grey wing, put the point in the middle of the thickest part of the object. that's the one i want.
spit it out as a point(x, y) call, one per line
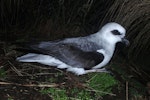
point(70, 54)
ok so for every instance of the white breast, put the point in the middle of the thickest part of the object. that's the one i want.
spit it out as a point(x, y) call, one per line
point(107, 58)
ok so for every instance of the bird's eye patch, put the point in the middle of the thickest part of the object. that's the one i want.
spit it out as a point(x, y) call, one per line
point(116, 32)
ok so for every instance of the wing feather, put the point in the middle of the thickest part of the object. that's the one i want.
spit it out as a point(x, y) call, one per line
point(69, 54)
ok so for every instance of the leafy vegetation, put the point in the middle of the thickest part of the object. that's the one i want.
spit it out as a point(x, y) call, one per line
point(97, 86)
point(2, 73)
point(22, 20)
point(57, 94)
point(102, 83)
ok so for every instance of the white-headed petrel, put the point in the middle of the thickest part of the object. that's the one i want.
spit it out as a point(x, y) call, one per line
point(79, 55)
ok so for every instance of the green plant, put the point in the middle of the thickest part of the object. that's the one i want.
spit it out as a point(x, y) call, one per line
point(102, 83)
point(2, 73)
point(97, 86)
point(81, 94)
point(57, 94)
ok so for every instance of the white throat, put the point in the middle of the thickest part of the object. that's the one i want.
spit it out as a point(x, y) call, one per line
point(107, 51)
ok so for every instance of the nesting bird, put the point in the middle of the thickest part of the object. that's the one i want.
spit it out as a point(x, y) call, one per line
point(79, 55)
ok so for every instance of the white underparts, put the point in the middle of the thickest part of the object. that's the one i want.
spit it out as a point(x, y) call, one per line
point(51, 61)
point(105, 61)
point(43, 59)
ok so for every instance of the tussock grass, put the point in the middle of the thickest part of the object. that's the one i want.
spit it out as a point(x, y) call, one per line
point(21, 20)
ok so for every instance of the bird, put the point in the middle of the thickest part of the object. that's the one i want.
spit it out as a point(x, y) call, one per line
point(79, 55)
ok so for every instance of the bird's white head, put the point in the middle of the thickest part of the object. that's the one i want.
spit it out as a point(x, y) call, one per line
point(113, 33)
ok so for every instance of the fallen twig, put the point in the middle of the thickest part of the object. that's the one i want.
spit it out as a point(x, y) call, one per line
point(32, 85)
point(15, 69)
point(91, 89)
point(127, 95)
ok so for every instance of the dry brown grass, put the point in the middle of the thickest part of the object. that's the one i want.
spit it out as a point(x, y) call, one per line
point(50, 20)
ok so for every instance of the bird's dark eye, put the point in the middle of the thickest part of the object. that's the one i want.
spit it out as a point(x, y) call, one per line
point(116, 32)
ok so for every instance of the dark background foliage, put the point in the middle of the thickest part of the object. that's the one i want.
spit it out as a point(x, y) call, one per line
point(23, 20)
